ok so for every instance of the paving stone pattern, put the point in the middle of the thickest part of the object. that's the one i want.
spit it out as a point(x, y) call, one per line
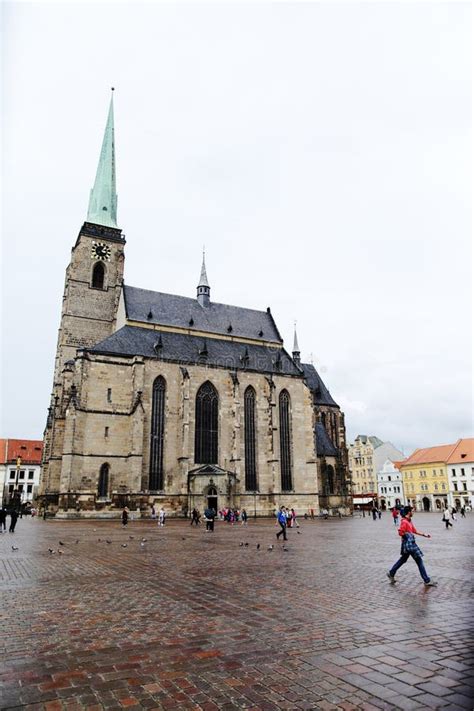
point(193, 620)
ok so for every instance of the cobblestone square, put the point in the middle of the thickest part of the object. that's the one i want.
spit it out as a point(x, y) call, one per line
point(193, 620)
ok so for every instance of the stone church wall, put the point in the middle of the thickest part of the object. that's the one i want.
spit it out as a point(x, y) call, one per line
point(108, 390)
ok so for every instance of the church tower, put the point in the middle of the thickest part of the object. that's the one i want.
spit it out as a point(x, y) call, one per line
point(95, 273)
point(92, 289)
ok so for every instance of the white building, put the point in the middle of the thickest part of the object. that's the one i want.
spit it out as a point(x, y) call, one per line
point(390, 486)
point(20, 469)
point(460, 471)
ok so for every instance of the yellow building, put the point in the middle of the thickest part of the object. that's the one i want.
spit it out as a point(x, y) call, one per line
point(425, 477)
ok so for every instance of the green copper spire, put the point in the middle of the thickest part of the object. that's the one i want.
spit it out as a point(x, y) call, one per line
point(103, 199)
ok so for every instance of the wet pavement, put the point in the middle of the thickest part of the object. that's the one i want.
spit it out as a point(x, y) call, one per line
point(194, 620)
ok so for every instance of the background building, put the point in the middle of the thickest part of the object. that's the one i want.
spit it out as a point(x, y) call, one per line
point(20, 469)
point(425, 479)
point(390, 485)
point(367, 456)
point(460, 471)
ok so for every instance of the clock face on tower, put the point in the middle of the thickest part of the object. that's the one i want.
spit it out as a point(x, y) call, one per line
point(101, 251)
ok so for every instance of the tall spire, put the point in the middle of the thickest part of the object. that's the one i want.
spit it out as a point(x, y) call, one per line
point(103, 198)
point(296, 349)
point(203, 289)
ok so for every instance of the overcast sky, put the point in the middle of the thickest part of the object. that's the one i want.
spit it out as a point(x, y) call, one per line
point(321, 151)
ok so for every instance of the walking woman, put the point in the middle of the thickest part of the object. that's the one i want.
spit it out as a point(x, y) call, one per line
point(446, 518)
point(407, 532)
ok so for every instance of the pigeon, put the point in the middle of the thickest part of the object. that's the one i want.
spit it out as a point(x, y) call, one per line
point(131, 537)
point(60, 552)
point(99, 540)
point(51, 550)
point(124, 545)
point(61, 543)
point(246, 544)
point(270, 548)
point(14, 548)
point(241, 544)
point(77, 540)
point(285, 549)
point(183, 538)
point(258, 546)
point(299, 533)
point(144, 540)
point(94, 529)
point(142, 544)
point(107, 541)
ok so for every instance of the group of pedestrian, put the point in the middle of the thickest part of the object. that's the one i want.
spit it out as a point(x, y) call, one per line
point(3, 520)
point(195, 517)
point(452, 515)
point(376, 513)
point(233, 515)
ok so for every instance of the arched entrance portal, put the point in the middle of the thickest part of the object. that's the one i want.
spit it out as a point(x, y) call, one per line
point(212, 498)
point(426, 503)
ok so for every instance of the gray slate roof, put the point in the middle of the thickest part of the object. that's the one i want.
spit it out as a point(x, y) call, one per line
point(321, 394)
point(188, 349)
point(181, 311)
point(324, 446)
point(375, 441)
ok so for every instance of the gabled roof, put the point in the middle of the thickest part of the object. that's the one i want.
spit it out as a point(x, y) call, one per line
point(30, 450)
point(321, 394)
point(324, 446)
point(429, 455)
point(154, 307)
point(3, 450)
point(190, 349)
point(374, 441)
point(463, 452)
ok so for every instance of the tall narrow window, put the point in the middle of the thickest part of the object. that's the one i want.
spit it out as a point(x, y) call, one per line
point(98, 276)
point(285, 442)
point(103, 488)
point(250, 440)
point(205, 439)
point(330, 479)
point(157, 434)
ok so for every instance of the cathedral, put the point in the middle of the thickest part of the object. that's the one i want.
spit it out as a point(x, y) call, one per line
point(176, 401)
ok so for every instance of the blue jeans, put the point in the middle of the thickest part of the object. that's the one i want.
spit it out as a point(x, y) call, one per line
point(418, 560)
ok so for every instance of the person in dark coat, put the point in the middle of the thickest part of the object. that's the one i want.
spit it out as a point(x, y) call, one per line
point(3, 520)
point(13, 520)
point(210, 515)
point(125, 516)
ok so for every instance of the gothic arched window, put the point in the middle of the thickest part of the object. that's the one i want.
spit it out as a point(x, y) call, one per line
point(285, 441)
point(98, 276)
point(205, 439)
point(330, 479)
point(157, 434)
point(103, 488)
point(250, 440)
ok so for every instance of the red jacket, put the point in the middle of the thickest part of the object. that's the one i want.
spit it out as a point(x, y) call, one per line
point(406, 526)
